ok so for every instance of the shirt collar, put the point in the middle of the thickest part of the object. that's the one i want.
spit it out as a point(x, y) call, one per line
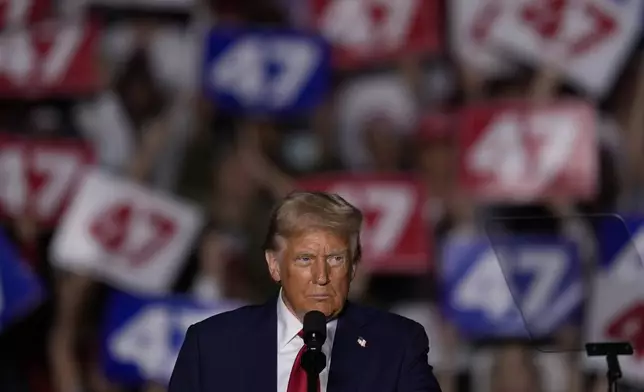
point(288, 326)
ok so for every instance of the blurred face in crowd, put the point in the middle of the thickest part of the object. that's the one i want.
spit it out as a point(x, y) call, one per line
point(383, 144)
point(437, 160)
point(215, 253)
point(232, 179)
point(315, 271)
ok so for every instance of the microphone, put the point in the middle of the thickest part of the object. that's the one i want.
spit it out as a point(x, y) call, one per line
point(314, 330)
point(313, 359)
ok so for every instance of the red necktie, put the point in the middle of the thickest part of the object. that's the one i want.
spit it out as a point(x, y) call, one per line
point(297, 380)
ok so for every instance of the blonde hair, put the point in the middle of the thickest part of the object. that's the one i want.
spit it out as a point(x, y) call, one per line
point(300, 212)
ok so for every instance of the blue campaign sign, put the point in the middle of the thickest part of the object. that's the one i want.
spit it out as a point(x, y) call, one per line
point(20, 290)
point(620, 237)
point(142, 336)
point(265, 71)
point(523, 287)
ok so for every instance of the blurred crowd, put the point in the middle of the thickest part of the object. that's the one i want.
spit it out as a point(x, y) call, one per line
point(148, 121)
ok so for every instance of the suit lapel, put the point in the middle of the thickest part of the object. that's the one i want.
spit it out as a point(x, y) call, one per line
point(259, 363)
point(349, 359)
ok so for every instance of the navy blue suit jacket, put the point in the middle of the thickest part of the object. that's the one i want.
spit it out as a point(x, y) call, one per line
point(237, 352)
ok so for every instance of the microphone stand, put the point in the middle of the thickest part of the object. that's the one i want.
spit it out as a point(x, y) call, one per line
point(313, 362)
point(614, 372)
point(312, 380)
point(610, 350)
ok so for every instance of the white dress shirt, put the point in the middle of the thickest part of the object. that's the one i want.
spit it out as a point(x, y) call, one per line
point(289, 344)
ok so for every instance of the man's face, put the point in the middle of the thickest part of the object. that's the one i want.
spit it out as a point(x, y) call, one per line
point(315, 271)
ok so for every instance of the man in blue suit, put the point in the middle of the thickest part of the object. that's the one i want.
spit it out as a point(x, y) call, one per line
point(312, 249)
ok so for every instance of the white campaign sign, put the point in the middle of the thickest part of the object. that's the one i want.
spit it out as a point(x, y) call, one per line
point(471, 22)
point(589, 40)
point(628, 264)
point(617, 314)
point(242, 69)
point(125, 234)
point(395, 204)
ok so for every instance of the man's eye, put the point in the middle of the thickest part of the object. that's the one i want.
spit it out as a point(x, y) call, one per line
point(336, 260)
point(303, 259)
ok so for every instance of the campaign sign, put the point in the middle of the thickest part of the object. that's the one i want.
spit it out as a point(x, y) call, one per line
point(517, 151)
point(125, 234)
point(470, 24)
point(617, 315)
point(142, 336)
point(588, 40)
point(621, 246)
point(49, 59)
point(15, 13)
point(265, 70)
point(38, 176)
point(20, 289)
point(520, 287)
point(147, 5)
point(363, 32)
point(394, 236)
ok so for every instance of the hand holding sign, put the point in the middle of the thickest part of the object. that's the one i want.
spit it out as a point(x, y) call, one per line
point(125, 234)
point(514, 152)
point(265, 71)
point(588, 39)
point(394, 235)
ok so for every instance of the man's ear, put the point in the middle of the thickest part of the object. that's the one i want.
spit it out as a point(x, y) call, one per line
point(354, 268)
point(273, 265)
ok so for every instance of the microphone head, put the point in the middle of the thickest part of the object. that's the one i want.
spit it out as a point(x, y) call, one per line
point(314, 327)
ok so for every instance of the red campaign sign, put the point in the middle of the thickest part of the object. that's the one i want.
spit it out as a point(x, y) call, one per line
point(394, 236)
point(629, 326)
point(132, 232)
point(37, 177)
point(367, 31)
point(49, 59)
point(23, 12)
point(515, 151)
point(547, 18)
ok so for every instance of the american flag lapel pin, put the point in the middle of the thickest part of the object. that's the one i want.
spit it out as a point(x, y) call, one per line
point(362, 342)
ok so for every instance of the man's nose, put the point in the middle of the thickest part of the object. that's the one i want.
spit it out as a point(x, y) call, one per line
point(320, 271)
